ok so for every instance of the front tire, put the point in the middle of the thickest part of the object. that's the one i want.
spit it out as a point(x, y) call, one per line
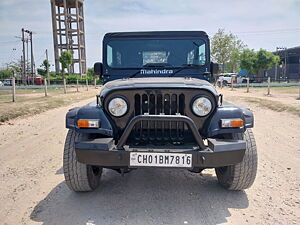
point(78, 176)
point(242, 175)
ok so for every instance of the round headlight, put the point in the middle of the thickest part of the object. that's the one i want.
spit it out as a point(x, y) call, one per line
point(117, 107)
point(202, 106)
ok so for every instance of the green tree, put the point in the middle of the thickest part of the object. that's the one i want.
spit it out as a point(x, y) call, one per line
point(248, 60)
point(90, 72)
point(66, 59)
point(41, 72)
point(4, 74)
point(14, 68)
point(44, 71)
point(46, 66)
point(226, 50)
point(256, 61)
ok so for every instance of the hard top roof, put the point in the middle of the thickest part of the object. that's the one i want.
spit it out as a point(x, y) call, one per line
point(159, 34)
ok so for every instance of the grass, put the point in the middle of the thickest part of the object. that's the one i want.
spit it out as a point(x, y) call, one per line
point(273, 105)
point(288, 90)
point(35, 91)
point(32, 101)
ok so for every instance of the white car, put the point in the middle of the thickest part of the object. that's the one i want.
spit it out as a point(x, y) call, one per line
point(1, 84)
point(226, 79)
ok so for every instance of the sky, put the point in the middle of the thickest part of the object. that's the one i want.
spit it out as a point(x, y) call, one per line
point(263, 24)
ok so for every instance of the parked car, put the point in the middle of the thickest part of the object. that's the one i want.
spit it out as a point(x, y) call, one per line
point(227, 78)
point(7, 82)
point(1, 83)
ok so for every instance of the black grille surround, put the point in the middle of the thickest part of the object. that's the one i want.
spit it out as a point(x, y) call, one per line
point(158, 101)
point(158, 131)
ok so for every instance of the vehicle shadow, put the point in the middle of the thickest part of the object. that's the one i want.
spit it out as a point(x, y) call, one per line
point(143, 196)
point(60, 171)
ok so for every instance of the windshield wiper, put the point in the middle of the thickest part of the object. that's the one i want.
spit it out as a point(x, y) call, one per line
point(136, 73)
point(184, 66)
point(158, 65)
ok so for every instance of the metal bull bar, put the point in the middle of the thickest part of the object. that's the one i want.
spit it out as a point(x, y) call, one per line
point(167, 118)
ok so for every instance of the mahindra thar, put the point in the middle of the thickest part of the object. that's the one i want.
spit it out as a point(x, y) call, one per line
point(157, 108)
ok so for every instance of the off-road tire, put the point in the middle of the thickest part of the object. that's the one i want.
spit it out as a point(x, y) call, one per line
point(242, 175)
point(79, 177)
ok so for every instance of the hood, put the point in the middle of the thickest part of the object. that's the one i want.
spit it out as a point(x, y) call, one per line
point(157, 82)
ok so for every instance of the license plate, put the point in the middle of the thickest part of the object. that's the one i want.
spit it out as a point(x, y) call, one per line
point(153, 159)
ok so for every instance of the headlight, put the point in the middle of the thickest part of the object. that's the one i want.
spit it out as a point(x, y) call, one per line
point(202, 106)
point(117, 107)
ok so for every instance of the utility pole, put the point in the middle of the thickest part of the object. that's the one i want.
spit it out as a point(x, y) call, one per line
point(24, 60)
point(47, 60)
point(47, 74)
point(31, 49)
point(21, 65)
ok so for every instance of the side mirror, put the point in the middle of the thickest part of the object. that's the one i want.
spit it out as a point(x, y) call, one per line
point(98, 69)
point(214, 68)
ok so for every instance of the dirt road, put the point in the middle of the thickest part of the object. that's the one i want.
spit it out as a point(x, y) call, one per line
point(33, 190)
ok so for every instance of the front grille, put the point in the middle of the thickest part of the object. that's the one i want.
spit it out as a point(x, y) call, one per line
point(156, 132)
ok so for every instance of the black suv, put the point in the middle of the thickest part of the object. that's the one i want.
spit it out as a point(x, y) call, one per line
point(158, 109)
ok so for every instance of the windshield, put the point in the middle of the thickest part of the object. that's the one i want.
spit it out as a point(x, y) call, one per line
point(155, 53)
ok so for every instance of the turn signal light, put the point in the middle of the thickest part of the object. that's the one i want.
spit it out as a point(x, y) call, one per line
point(231, 123)
point(88, 123)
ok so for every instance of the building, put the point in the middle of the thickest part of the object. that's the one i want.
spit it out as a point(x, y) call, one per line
point(289, 66)
point(68, 33)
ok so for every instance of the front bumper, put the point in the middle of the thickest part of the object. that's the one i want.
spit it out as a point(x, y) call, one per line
point(218, 153)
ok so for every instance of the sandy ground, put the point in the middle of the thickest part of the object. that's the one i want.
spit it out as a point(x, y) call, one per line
point(33, 101)
point(33, 190)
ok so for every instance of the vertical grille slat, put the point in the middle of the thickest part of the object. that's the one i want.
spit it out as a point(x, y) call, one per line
point(156, 112)
point(159, 104)
point(167, 112)
point(148, 122)
point(163, 112)
point(177, 124)
point(159, 107)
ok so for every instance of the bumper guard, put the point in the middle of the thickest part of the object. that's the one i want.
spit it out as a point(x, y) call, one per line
point(103, 152)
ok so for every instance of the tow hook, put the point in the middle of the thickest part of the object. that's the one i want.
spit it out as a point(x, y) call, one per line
point(122, 172)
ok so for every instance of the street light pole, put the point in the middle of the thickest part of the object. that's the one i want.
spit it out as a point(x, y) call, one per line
point(47, 74)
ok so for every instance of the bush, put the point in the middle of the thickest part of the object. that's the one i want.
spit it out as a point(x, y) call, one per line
point(5, 74)
point(72, 79)
point(56, 78)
